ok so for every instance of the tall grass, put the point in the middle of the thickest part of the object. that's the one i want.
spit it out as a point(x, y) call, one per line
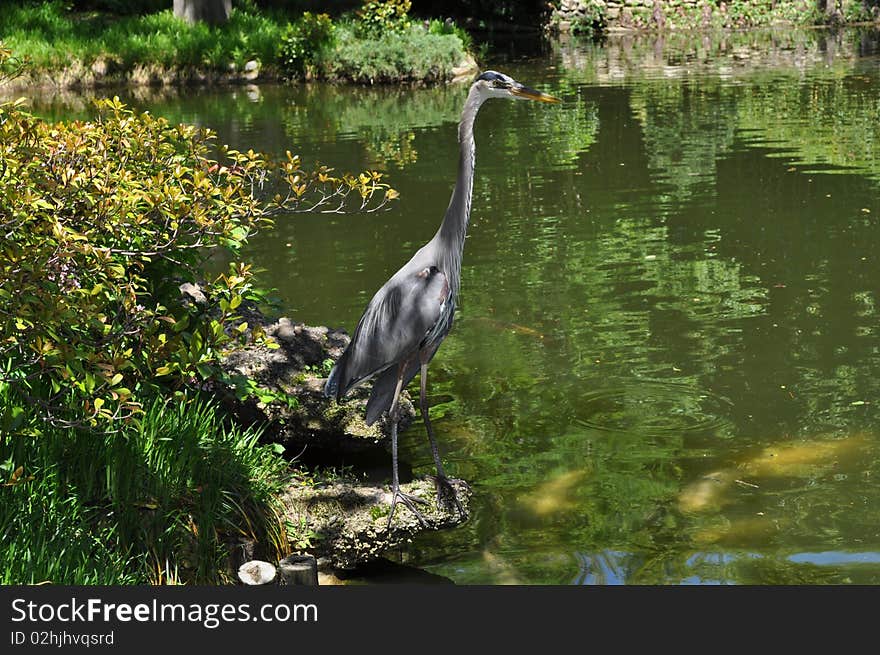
point(166, 499)
point(50, 36)
point(46, 535)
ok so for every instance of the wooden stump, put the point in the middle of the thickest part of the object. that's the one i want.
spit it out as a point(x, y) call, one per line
point(256, 572)
point(298, 570)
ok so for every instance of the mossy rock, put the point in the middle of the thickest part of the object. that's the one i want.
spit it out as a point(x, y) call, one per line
point(295, 372)
point(350, 520)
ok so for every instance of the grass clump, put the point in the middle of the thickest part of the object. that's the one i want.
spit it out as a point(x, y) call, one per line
point(46, 536)
point(164, 499)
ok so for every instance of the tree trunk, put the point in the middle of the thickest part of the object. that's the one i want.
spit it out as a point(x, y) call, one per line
point(832, 15)
point(658, 15)
point(212, 12)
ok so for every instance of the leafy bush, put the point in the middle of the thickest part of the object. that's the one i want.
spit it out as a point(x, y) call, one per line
point(98, 218)
point(414, 55)
point(377, 18)
point(10, 67)
point(101, 223)
point(305, 44)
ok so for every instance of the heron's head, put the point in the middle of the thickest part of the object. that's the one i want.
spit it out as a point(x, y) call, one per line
point(492, 84)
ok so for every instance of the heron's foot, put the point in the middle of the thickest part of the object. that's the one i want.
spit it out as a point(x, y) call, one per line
point(447, 494)
point(410, 501)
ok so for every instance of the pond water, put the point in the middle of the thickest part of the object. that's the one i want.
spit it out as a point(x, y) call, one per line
point(666, 364)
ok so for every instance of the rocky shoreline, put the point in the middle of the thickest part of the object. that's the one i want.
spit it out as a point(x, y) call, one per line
point(108, 72)
point(346, 514)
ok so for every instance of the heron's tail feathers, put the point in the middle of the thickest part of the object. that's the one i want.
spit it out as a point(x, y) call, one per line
point(383, 390)
point(331, 387)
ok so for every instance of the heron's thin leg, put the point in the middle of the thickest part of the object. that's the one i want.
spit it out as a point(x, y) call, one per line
point(423, 405)
point(445, 490)
point(396, 493)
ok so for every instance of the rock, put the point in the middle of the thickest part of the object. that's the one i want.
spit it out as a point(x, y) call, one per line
point(193, 293)
point(297, 371)
point(350, 519)
point(256, 572)
point(102, 67)
point(465, 70)
point(251, 70)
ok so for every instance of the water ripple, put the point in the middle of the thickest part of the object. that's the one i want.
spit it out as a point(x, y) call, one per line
point(655, 408)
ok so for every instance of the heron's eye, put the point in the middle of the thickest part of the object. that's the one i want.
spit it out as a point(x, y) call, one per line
point(500, 84)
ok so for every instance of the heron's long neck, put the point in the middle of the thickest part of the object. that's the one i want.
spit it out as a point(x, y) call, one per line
point(453, 230)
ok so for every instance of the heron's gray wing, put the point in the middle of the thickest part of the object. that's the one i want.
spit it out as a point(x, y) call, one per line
point(392, 328)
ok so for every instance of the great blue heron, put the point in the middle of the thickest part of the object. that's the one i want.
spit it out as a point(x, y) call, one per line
point(408, 318)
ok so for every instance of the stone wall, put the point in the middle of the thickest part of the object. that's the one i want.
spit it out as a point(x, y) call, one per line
point(599, 15)
point(574, 15)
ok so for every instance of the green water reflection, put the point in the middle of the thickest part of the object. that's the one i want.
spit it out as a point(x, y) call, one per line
point(667, 360)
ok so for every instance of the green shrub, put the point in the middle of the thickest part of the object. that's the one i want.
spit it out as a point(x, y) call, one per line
point(377, 18)
point(305, 45)
point(101, 223)
point(414, 55)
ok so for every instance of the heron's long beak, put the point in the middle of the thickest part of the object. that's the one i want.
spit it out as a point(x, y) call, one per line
point(531, 94)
